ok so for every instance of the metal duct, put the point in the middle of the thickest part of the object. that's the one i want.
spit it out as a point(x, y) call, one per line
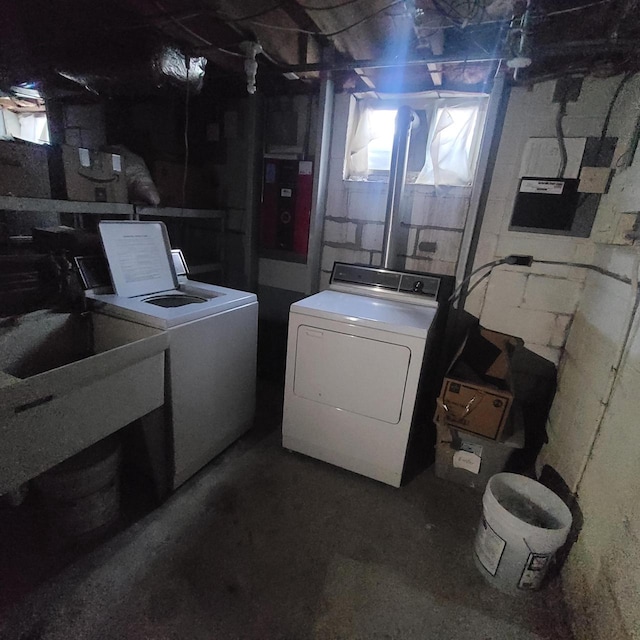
point(406, 120)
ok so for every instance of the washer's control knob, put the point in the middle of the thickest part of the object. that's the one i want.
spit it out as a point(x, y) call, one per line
point(418, 285)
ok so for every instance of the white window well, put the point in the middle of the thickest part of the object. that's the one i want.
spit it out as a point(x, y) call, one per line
point(444, 147)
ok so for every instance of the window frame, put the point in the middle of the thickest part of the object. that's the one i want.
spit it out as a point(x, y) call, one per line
point(429, 102)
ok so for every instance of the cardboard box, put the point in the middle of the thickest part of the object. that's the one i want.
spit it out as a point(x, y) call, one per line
point(86, 175)
point(469, 459)
point(477, 391)
point(24, 169)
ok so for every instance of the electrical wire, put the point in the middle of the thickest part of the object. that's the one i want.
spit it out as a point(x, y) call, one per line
point(492, 264)
point(479, 281)
point(605, 127)
point(562, 112)
point(186, 135)
point(333, 33)
point(590, 267)
point(513, 261)
point(580, 8)
point(183, 26)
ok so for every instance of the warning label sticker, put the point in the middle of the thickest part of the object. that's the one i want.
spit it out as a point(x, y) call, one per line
point(534, 570)
point(553, 187)
point(489, 547)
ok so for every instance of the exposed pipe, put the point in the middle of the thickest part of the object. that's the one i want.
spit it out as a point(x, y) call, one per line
point(320, 180)
point(406, 120)
point(350, 65)
point(585, 47)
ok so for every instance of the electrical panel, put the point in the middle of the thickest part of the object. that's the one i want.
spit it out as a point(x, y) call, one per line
point(286, 206)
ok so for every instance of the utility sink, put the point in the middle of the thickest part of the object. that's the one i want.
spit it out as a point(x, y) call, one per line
point(68, 381)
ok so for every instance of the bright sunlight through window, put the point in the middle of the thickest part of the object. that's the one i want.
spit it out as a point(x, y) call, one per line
point(383, 124)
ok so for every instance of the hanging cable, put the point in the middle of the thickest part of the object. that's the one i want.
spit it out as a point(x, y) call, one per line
point(333, 33)
point(527, 261)
point(186, 135)
point(590, 267)
point(457, 290)
point(562, 111)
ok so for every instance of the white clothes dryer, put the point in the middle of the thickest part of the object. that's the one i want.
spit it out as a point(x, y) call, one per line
point(355, 359)
point(212, 340)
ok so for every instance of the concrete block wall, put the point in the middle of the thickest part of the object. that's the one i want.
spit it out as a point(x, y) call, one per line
point(431, 227)
point(593, 424)
point(538, 303)
point(593, 444)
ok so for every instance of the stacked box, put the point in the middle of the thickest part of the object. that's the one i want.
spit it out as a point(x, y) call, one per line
point(470, 459)
point(85, 175)
point(24, 169)
point(477, 392)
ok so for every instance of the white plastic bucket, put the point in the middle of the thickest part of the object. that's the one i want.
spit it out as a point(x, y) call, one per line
point(522, 526)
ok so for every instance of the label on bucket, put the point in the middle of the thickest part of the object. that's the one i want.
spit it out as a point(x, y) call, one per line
point(489, 547)
point(534, 570)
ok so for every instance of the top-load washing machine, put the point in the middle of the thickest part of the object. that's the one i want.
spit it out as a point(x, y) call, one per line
point(212, 340)
point(357, 354)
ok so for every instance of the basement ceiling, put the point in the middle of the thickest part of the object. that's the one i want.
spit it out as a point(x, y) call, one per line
point(384, 45)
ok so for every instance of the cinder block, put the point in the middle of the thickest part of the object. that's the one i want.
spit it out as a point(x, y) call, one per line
point(583, 126)
point(448, 244)
point(431, 210)
point(339, 254)
point(372, 236)
point(340, 232)
point(549, 353)
point(551, 294)
point(475, 300)
point(506, 288)
point(540, 246)
point(442, 267)
point(336, 195)
point(584, 253)
point(486, 251)
point(412, 241)
point(366, 202)
point(418, 213)
point(537, 327)
point(496, 214)
point(417, 264)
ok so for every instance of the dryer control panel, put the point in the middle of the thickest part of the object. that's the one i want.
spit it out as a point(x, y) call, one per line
point(422, 286)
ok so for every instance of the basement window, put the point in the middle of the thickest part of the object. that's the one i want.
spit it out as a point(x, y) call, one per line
point(23, 116)
point(444, 147)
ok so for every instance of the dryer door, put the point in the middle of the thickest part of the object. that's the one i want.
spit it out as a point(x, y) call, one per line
point(353, 373)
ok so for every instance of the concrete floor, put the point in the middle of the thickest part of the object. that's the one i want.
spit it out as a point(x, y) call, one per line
point(268, 544)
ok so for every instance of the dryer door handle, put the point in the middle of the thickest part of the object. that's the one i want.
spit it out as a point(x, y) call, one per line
point(314, 333)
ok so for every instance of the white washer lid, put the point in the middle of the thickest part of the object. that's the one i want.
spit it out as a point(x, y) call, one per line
point(377, 313)
point(139, 257)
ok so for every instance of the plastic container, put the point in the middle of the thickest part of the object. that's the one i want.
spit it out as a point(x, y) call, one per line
point(522, 526)
point(471, 460)
point(81, 496)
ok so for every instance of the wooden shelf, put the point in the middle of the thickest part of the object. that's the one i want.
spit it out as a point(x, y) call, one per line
point(178, 212)
point(12, 203)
